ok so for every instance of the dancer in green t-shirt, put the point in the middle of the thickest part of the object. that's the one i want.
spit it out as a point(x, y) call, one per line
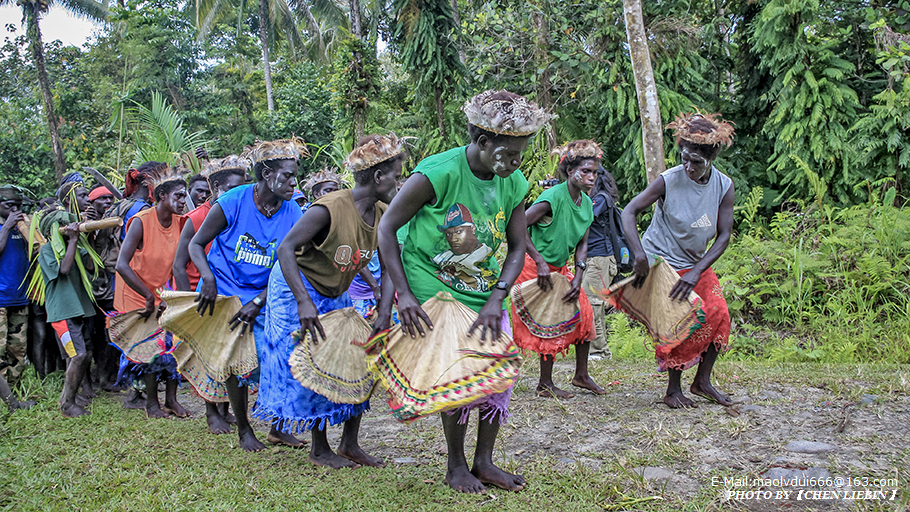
point(460, 205)
point(558, 223)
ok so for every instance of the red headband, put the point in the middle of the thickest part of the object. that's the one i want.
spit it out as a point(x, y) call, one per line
point(99, 192)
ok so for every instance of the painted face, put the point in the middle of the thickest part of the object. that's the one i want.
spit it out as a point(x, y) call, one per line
point(82, 198)
point(389, 183)
point(504, 156)
point(462, 239)
point(103, 203)
point(231, 181)
point(695, 165)
point(584, 175)
point(199, 192)
point(324, 188)
point(175, 200)
point(280, 176)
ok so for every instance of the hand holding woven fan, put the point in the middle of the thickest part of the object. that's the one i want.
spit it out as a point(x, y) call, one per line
point(336, 367)
point(667, 320)
point(446, 369)
point(544, 312)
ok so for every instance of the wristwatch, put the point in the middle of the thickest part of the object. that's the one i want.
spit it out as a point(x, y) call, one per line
point(582, 265)
point(502, 285)
point(258, 302)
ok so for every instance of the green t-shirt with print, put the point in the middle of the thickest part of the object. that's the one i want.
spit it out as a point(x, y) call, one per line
point(557, 235)
point(450, 244)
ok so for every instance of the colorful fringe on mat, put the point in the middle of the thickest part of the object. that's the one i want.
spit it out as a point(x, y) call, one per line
point(409, 404)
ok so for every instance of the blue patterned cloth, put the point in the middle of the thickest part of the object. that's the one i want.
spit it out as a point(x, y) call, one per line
point(130, 372)
point(281, 397)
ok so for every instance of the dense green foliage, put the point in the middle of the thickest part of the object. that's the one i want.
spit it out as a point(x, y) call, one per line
point(805, 81)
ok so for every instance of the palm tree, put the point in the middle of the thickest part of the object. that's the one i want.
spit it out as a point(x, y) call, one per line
point(424, 30)
point(32, 10)
point(275, 16)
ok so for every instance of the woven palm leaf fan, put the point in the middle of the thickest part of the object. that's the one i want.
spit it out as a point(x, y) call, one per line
point(335, 367)
point(221, 351)
point(192, 369)
point(140, 339)
point(446, 369)
point(667, 320)
point(545, 314)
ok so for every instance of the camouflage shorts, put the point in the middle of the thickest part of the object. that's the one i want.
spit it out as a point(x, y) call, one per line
point(13, 324)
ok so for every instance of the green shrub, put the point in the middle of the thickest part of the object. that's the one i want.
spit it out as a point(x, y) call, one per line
point(822, 283)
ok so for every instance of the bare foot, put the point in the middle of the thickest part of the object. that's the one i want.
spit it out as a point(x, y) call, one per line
point(359, 456)
point(15, 405)
point(278, 437)
point(552, 391)
point(110, 387)
point(229, 418)
point(332, 460)
point(249, 443)
point(176, 409)
point(489, 474)
point(82, 401)
point(708, 391)
point(89, 392)
point(155, 412)
point(678, 400)
point(73, 411)
point(463, 481)
point(216, 424)
point(587, 382)
point(134, 400)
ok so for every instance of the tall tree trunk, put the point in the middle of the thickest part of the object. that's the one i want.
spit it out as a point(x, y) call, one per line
point(440, 114)
point(360, 106)
point(264, 41)
point(456, 15)
point(37, 48)
point(648, 105)
point(356, 25)
point(542, 61)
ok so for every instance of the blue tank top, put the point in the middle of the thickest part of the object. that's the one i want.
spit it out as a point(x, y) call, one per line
point(242, 255)
point(14, 263)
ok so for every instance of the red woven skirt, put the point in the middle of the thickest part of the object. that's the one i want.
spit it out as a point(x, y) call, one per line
point(583, 332)
point(716, 328)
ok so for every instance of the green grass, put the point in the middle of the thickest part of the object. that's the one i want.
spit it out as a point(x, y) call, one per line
point(115, 459)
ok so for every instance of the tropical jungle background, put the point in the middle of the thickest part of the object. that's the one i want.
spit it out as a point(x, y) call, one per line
point(819, 92)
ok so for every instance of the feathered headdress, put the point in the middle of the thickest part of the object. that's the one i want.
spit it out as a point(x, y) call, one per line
point(325, 175)
point(230, 162)
point(378, 149)
point(578, 149)
point(263, 151)
point(703, 129)
point(505, 113)
point(166, 174)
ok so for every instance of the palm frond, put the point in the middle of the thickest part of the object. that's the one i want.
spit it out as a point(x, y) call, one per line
point(86, 9)
point(160, 135)
point(282, 19)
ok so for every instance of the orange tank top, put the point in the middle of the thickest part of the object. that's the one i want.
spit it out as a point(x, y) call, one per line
point(152, 262)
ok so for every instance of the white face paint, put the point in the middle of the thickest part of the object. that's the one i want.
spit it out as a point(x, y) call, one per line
point(498, 165)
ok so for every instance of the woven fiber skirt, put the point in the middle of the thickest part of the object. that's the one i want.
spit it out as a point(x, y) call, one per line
point(281, 397)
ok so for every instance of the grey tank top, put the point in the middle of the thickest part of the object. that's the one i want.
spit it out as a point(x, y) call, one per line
point(685, 221)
